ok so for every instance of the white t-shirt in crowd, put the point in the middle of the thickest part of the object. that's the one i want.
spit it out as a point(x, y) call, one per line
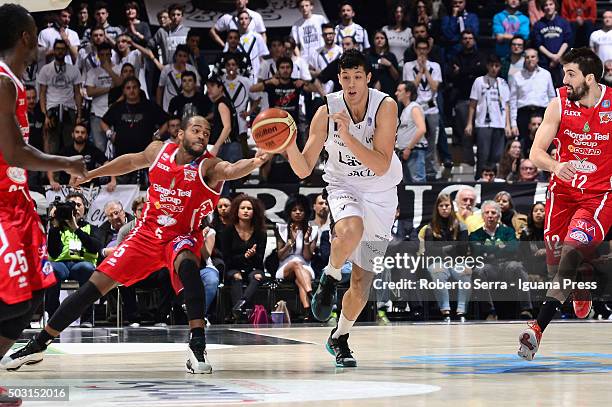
point(308, 34)
point(323, 58)
point(407, 128)
point(424, 92)
point(602, 41)
point(353, 30)
point(60, 82)
point(237, 90)
point(170, 80)
point(99, 78)
point(230, 22)
point(398, 42)
point(492, 96)
point(48, 36)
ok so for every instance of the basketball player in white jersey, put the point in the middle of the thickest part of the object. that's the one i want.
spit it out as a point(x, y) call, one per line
point(357, 129)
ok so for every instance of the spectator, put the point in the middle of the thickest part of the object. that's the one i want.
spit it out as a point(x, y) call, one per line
point(237, 90)
point(230, 22)
point(528, 172)
point(234, 48)
point(300, 64)
point(81, 146)
point(551, 37)
point(166, 40)
point(454, 25)
point(427, 77)
point(582, 15)
point(510, 160)
point(116, 93)
point(170, 78)
point(422, 13)
point(607, 78)
point(534, 8)
point(445, 236)
point(108, 232)
point(530, 91)
point(163, 19)
point(307, 31)
point(98, 83)
point(489, 174)
point(534, 124)
point(499, 245)
point(348, 28)
point(330, 73)
point(189, 102)
point(411, 144)
point(295, 244)
point(58, 29)
point(196, 58)
point(601, 40)
point(174, 125)
point(244, 246)
point(507, 24)
point(134, 122)
point(466, 66)
point(514, 62)
point(490, 102)
point(421, 31)
point(509, 216)
point(322, 222)
point(135, 57)
point(88, 55)
point(83, 20)
point(465, 200)
point(252, 43)
point(60, 98)
point(36, 119)
point(73, 250)
point(399, 33)
point(325, 56)
point(101, 17)
point(210, 273)
point(267, 69)
point(138, 31)
point(533, 238)
point(221, 219)
point(224, 131)
point(384, 70)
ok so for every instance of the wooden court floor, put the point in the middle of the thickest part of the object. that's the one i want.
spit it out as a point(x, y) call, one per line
point(399, 365)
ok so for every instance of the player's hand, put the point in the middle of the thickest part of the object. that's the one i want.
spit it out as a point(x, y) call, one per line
point(261, 157)
point(565, 171)
point(76, 166)
point(342, 119)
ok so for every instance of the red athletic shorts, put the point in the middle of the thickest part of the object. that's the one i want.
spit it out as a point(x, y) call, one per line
point(142, 253)
point(578, 219)
point(23, 250)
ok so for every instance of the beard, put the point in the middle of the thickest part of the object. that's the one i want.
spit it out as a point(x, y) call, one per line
point(192, 152)
point(608, 80)
point(575, 94)
point(80, 141)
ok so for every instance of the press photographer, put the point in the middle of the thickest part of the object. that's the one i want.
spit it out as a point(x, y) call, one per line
point(73, 249)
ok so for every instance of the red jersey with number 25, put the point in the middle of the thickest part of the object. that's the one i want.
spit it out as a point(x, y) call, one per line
point(178, 197)
point(584, 140)
point(14, 178)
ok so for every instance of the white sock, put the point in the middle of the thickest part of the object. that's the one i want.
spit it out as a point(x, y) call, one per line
point(334, 272)
point(344, 325)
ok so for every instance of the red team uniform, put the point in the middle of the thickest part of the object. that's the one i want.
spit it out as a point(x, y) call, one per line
point(178, 200)
point(23, 250)
point(579, 212)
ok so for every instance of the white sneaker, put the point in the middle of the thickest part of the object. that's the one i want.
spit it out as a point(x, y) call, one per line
point(197, 359)
point(529, 341)
point(30, 354)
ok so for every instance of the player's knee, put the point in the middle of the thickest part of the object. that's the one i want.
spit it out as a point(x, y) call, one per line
point(349, 228)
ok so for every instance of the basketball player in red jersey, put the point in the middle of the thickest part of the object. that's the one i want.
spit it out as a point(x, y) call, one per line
point(185, 183)
point(24, 270)
point(579, 204)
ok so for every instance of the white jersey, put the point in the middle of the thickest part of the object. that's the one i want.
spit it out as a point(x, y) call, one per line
point(342, 167)
point(308, 34)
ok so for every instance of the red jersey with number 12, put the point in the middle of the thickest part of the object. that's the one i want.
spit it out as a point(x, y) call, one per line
point(584, 140)
point(14, 178)
point(178, 197)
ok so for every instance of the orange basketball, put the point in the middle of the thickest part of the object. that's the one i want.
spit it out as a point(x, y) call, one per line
point(273, 130)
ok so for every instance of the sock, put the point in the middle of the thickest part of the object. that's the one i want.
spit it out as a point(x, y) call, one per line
point(333, 272)
point(344, 325)
point(549, 308)
point(193, 289)
point(43, 339)
point(197, 333)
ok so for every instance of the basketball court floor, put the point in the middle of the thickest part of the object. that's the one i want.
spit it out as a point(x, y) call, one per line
point(472, 364)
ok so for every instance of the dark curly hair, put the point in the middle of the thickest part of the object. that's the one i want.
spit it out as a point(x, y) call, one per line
point(14, 21)
point(259, 218)
point(298, 200)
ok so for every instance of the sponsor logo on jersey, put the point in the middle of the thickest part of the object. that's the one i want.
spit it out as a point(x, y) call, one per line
point(586, 226)
point(17, 175)
point(363, 173)
point(605, 104)
point(572, 113)
point(579, 236)
point(181, 242)
point(165, 220)
point(172, 208)
point(47, 268)
point(165, 156)
point(163, 167)
point(190, 175)
point(605, 117)
point(582, 165)
point(567, 103)
point(584, 151)
point(348, 160)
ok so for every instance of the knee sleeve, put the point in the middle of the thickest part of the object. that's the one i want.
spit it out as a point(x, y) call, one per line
point(74, 306)
point(193, 289)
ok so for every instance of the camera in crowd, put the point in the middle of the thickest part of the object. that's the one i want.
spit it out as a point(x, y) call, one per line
point(64, 211)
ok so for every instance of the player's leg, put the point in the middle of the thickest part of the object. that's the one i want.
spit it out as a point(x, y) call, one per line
point(347, 236)
point(353, 303)
point(186, 266)
point(11, 329)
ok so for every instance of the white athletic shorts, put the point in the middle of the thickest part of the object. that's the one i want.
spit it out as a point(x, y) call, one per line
point(377, 209)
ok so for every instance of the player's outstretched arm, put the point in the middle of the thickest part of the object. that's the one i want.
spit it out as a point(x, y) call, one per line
point(17, 152)
point(125, 163)
point(219, 170)
point(302, 163)
point(378, 159)
point(544, 137)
